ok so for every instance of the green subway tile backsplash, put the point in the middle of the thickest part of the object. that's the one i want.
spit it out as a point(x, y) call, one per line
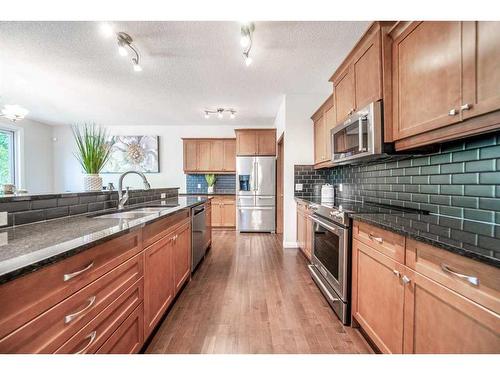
point(461, 180)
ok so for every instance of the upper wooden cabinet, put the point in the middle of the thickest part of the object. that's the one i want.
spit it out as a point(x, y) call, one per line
point(364, 76)
point(323, 122)
point(255, 142)
point(444, 74)
point(209, 155)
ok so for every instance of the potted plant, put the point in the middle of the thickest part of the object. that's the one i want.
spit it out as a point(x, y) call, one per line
point(210, 178)
point(93, 152)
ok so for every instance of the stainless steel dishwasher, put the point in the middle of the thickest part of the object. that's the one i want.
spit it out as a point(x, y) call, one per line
point(199, 235)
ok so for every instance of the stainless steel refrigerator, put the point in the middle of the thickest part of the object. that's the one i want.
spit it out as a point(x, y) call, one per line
point(256, 193)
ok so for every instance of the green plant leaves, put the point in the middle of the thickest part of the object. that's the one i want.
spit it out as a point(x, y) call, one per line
point(210, 178)
point(93, 150)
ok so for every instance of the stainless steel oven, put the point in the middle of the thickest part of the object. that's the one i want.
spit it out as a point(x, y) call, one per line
point(330, 264)
point(360, 136)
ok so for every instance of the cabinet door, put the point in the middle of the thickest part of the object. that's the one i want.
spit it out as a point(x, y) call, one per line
point(301, 230)
point(438, 320)
point(182, 255)
point(246, 143)
point(128, 338)
point(158, 281)
point(216, 213)
point(378, 297)
point(266, 142)
point(204, 157)
point(228, 213)
point(319, 140)
point(216, 155)
point(368, 73)
point(190, 155)
point(229, 155)
point(344, 95)
point(308, 237)
point(481, 72)
point(426, 77)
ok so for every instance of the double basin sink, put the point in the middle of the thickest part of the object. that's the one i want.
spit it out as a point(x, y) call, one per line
point(135, 213)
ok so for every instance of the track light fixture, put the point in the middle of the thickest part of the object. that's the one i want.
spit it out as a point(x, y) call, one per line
point(247, 29)
point(220, 113)
point(125, 44)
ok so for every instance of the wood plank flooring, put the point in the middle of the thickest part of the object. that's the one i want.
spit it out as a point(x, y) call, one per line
point(252, 296)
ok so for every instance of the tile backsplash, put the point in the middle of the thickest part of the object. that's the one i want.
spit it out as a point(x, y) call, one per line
point(461, 180)
point(225, 183)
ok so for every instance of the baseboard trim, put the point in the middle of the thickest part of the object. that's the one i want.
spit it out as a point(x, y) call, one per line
point(292, 245)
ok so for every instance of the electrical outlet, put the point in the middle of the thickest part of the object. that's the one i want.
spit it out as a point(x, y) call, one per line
point(163, 195)
point(199, 186)
point(340, 187)
point(298, 187)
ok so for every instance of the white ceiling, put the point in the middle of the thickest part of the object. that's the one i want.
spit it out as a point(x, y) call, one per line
point(67, 72)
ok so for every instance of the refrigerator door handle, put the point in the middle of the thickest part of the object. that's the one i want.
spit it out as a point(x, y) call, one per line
point(256, 176)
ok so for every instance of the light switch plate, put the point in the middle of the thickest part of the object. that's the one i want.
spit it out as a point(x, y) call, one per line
point(3, 218)
point(298, 187)
point(199, 186)
point(163, 195)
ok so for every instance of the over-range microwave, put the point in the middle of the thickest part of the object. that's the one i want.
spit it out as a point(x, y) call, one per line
point(360, 137)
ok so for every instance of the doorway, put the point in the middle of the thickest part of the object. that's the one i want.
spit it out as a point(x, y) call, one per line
point(279, 184)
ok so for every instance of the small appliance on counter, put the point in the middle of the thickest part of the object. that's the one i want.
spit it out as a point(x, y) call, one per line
point(327, 193)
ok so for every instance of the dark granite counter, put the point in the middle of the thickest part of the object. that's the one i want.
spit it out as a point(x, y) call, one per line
point(26, 248)
point(473, 239)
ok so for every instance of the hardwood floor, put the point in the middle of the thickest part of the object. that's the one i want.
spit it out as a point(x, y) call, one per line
point(251, 296)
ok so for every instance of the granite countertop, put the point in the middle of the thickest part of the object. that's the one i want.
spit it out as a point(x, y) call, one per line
point(473, 239)
point(26, 248)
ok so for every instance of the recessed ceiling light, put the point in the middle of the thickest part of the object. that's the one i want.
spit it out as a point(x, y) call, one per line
point(220, 113)
point(232, 115)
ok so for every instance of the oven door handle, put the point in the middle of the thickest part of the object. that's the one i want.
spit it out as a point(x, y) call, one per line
point(323, 286)
point(326, 225)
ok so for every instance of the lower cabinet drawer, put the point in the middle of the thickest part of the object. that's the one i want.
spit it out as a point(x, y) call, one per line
point(128, 338)
point(474, 280)
point(53, 328)
point(24, 299)
point(388, 243)
point(91, 337)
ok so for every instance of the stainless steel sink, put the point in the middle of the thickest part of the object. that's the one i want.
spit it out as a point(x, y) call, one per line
point(136, 213)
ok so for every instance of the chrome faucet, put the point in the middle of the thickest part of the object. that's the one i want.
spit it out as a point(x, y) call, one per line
point(123, 198)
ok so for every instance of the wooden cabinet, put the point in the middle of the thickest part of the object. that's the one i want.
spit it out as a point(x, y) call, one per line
point(158, 281)
point(445, 75)
point(304, 230)
point(128, 338)
point(182, 255)
point(223, 211)
point(378, 297)
point(438, 320)
point(364, 76)
point(429, 301)
point(480, 75)
point(427, 80)
point(255, 142)
point(323, 122)
point(209, 155)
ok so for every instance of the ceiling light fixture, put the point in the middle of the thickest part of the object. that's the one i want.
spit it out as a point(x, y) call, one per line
point(125, 45)
point(14, 112)
point(247, 29)
point(220, 113)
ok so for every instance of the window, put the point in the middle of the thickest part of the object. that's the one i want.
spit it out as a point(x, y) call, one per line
point(7, 157)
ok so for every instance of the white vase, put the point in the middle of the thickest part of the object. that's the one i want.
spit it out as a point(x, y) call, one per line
point(92, 182)
point(210, 190)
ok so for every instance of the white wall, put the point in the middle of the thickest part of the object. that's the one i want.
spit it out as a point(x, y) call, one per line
point(68, 175)
point(294, 118)
point(36, 166)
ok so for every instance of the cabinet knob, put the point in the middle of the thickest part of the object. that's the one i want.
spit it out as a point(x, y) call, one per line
point(406, 279)
point(452, 112)
point(466, 107)
point(396, 272)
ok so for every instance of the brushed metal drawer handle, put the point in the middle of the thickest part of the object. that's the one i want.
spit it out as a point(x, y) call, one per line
point(70, 317)
point(378, 239)
point(69, 276)
point(92, 335)
point(470, 279)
